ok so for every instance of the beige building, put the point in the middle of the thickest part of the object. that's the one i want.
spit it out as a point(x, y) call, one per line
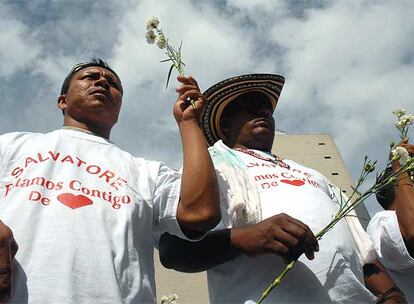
point(317, 151)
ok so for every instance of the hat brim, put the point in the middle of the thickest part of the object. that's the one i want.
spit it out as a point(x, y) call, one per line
point(220, 95)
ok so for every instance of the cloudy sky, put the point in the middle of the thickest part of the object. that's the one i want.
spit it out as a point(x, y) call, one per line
point(348, 64)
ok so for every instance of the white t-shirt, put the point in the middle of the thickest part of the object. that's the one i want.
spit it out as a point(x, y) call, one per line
point(391, 251)
point(86, 216)
point(335, 275)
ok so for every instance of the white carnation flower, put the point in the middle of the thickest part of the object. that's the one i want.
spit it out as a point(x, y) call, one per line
point(170, 299)
point(399, 112)
point(405, 118)
point(401, 154)
point(152, 23)
point(161, 42)
point(150, 35)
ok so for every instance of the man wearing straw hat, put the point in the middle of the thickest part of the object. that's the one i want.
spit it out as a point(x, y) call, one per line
point(266, 202)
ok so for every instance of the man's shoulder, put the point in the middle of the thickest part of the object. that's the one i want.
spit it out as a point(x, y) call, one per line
point(384, 221)
point(13, 136)
point(389, 243)
point(380, 218)
point(381, 215)
point(140, 161)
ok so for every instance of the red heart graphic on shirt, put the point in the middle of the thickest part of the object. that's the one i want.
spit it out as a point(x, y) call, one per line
point(74, 201)
point(294, 182)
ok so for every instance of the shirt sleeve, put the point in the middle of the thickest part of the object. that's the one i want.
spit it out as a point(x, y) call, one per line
point(1, 151)
point(4, 142)
point(388, 241)
point(8, 139)
point(166, 200)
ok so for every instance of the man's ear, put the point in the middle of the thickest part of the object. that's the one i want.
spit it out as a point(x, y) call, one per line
point(61, 102)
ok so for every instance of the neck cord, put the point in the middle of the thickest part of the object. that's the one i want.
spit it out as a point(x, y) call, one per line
point(275, 160)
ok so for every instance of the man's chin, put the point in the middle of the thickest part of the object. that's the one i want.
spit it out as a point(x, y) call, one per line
point(98, 105)
point(265, 138)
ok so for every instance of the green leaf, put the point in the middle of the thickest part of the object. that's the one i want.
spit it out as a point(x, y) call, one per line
point(169, 75)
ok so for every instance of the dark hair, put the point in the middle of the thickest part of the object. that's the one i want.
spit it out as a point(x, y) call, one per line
point(93, 62)
point(387, 194)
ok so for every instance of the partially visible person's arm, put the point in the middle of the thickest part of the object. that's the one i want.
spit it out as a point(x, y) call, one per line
point(8, 249)
point(199, 208)
point(185, 256)
point(279, 234)
point(404, 199)
point(378, 281)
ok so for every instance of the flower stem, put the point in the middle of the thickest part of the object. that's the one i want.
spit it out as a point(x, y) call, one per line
point(276, 281)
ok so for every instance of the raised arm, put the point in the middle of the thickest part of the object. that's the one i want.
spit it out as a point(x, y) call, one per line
point(185, 256)
point(404, 202)
point(279, 234)
point(199, 208)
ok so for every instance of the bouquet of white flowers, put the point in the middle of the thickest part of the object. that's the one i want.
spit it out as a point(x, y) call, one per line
point(403, 122)
point(155, 34)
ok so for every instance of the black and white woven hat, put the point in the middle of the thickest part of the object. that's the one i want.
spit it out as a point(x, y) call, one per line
point(223, 93)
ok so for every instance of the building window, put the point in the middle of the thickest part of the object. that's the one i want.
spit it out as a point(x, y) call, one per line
point(335, 173)
point(327, 157)
point(321, 144)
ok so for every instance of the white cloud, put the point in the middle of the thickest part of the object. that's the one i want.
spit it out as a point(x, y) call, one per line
point(17, 50)
point(353, 60)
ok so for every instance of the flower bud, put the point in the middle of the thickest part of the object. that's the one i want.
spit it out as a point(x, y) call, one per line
point(369, 168)
point(410, 164)
point(393, 180)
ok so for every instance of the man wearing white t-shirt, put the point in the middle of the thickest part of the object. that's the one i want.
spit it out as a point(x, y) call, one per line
point(271, 209)
point(86, 214)
point(392, 230)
